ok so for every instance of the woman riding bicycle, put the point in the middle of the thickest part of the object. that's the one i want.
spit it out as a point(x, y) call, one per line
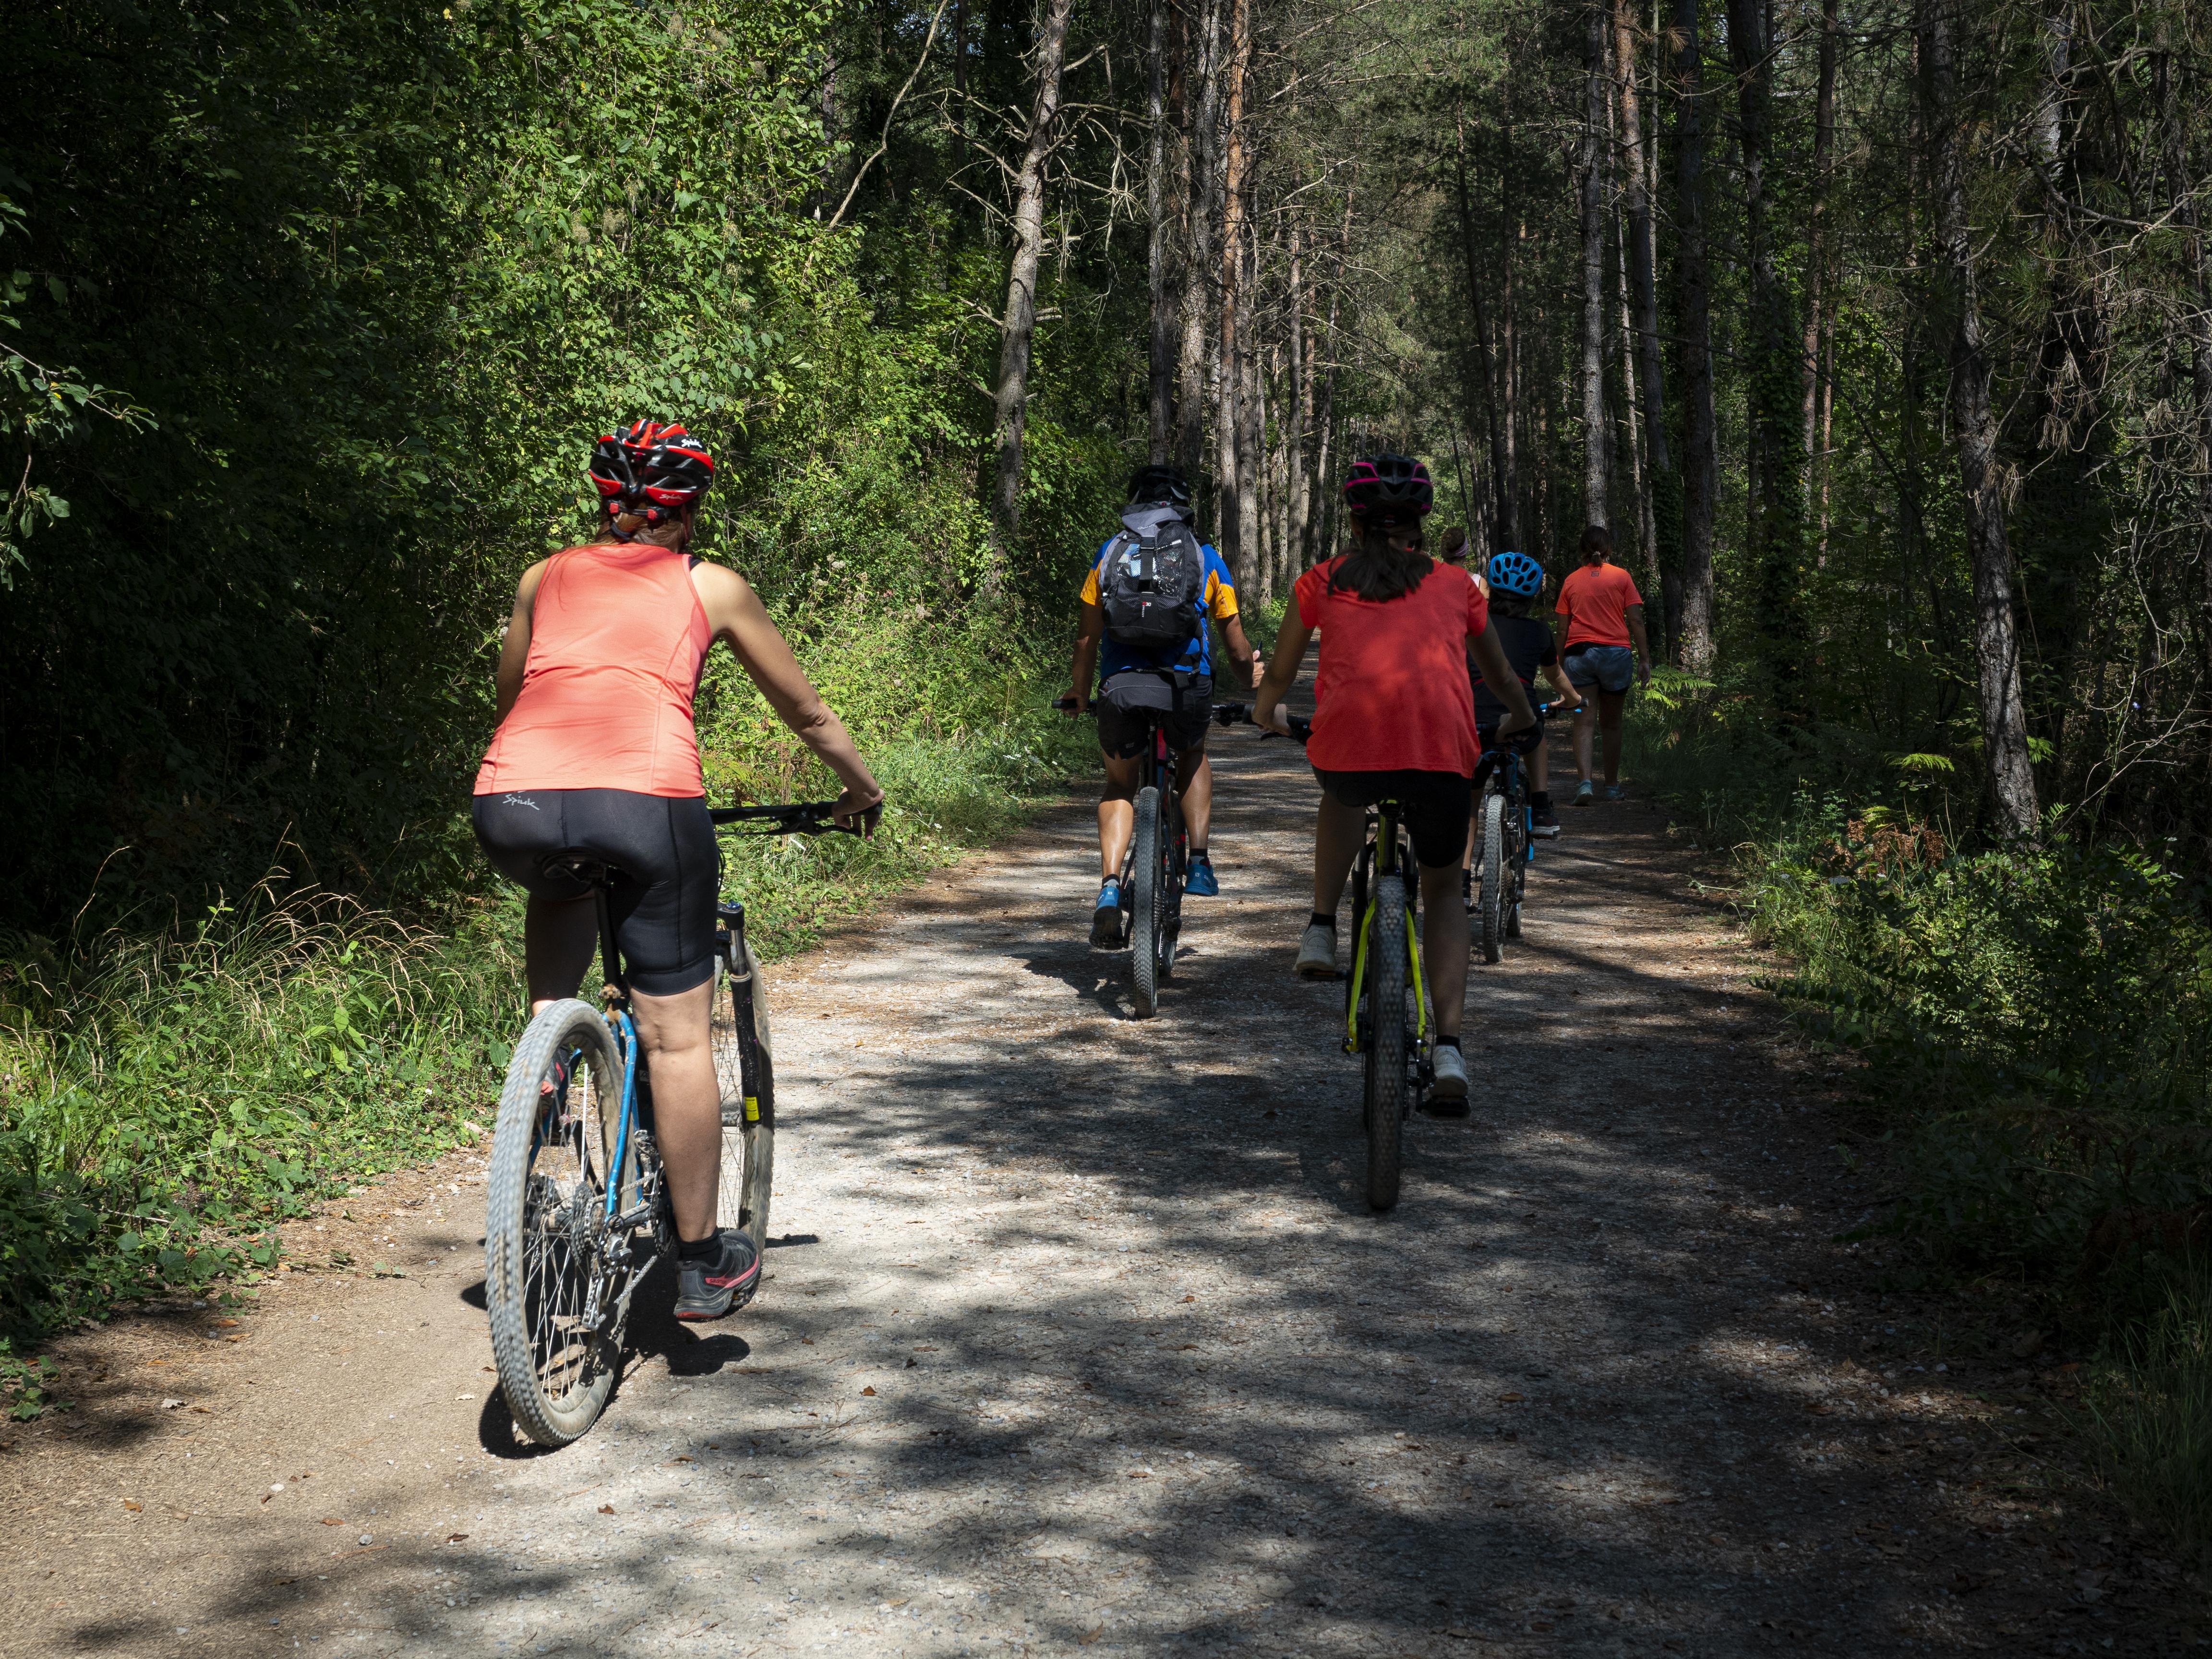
point(596, 757)
point(1394, 720)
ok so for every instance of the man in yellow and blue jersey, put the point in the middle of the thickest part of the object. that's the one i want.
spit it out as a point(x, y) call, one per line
point(1177, 683)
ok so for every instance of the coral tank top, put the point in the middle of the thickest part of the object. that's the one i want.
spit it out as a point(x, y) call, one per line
point(617, 639)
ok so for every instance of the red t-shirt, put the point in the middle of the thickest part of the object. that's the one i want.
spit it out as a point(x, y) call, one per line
point(1393, 694)
point(1595, 600)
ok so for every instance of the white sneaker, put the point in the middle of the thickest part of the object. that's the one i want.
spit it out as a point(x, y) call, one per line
point(1317, 952)
point(1447, 1098)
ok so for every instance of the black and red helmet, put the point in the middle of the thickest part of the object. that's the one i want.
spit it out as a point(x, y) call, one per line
point(1386, 490)
point(651, 469)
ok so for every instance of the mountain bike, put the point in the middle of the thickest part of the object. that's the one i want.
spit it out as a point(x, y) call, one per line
point(576, 1210)
point(1388, 1019)
point(1152, 869)
point(1506, 846)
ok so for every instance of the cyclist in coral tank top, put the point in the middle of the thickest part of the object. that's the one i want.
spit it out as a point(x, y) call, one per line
point(595, 754)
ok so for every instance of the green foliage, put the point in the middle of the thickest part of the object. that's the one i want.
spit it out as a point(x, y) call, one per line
point(2148, 1411)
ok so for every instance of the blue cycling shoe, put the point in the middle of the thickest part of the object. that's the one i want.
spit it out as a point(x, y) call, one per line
point(1198, 879)
point(1106, 920)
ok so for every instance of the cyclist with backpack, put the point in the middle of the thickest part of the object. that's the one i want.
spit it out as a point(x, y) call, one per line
point(1146, 605)
point(1394, 720)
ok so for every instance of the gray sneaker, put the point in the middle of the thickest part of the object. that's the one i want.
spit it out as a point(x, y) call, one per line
point(1317, 952)
point(1585, 793)
point(709, 1289)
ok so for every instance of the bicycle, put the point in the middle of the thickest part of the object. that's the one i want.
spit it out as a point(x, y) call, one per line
point(576, 1210)
point(1153, 867)
point(1507, 844)
point(1388, 1019)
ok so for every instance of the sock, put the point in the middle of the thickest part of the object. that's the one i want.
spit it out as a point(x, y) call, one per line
point(709, 1249)
point(1443, 1041)
point(1320, 920)
point(1539, 799)
point(1198, 855)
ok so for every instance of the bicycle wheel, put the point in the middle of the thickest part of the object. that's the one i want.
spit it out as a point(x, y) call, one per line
point(1145, 906)
point(1385, 1045)
point(748, 1085)
point(550, 1265)
point(1516, 865)
point(1175, 853)
point(1491, 873)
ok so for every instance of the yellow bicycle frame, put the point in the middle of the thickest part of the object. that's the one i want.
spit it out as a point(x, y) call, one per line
point(1359, 974)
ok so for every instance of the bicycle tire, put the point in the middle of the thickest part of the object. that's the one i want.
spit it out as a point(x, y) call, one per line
point(747, 1181)
point(1145, 907)
point(1517, 861)
point(1384, 1106)
point(543, 1269)
point(1173, 860)
point(1489, 913)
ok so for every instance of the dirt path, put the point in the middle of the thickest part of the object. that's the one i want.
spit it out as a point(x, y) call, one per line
point(1079, 1336)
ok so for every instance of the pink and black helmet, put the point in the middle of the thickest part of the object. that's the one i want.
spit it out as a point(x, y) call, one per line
point(1387, 489)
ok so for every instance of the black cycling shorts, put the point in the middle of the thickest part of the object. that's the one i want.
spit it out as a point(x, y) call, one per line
point(662, 848)
point(1435, 806)
point(1185, 705)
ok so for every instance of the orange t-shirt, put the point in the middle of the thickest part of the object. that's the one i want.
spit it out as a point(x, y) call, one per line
point(617, 639)
point(1393, 692)
point(1595, 600)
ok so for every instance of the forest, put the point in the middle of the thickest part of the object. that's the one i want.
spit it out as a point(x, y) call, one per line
point(1878, 333)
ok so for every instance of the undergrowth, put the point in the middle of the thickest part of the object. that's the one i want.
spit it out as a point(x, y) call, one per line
point(2035, 1020)
point(169, 1094)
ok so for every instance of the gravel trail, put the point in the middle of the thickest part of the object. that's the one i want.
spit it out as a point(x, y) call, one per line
point(1079, 1336)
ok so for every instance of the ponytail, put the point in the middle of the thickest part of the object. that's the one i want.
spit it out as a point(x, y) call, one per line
point(1376, 571)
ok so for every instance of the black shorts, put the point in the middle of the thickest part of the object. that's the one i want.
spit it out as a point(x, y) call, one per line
point(1185, 704)
point(1435, 806)
point(662, 848)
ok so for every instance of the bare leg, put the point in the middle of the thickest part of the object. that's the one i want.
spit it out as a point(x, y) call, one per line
point(1117, 814)
point(687, 1100)
point(1340, 831)
point(1443, 944)
point(558, 937)
point(1585, 719)
point(1197, 774)
point(1609, 705)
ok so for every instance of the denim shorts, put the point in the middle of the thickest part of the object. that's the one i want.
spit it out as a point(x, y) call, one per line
point(1608, 667)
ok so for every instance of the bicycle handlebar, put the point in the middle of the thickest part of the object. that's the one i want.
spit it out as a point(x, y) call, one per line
point(798, 818)
point(1240, 714)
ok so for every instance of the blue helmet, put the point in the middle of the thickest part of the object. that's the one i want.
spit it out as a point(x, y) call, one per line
point(1516, 574)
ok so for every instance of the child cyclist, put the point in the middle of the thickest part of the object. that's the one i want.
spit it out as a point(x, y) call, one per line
point(1394, 625)
point(1515, 579)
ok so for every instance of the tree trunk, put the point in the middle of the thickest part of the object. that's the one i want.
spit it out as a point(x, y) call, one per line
point(1163, 342)
point(1201, 113)
point(1297, 485)
point(1251, 426)
point(1632, 421)
point(2010, 778)
point(1500, 437)
point(1228, 419)
point(1324, 517)
point(1662, 500)
point(1019, 327)
point(1775, 526)
point(1597, 458)
point(1697, 622)
point(1816, 270)
point(1513, 521)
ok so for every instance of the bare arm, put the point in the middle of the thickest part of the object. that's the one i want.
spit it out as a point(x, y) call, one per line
point(1557, 673)
point(1282, 673)
point(1634, 613)
point(1240, 651)
point(1505, 684)
point(1089, 630)
point(514, 645)
point(735, 613)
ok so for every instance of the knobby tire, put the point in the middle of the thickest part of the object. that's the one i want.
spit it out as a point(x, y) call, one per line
point(747, 1181)
point(1385, 1082)
point(544, 1255)
point(1491, 913)
point(1147, 906)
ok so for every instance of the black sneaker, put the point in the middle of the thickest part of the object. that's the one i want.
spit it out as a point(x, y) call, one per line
point(1544, 822)
point(711, 1288)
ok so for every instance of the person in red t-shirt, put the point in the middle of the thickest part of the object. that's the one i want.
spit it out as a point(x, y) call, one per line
point(1604, 612)
point(1393, 719)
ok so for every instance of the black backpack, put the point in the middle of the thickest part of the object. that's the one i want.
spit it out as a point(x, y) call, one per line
point(1149, 587)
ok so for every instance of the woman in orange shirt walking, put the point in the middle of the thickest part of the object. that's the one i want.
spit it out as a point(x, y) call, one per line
point(1604, 612)
point(595, 755)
